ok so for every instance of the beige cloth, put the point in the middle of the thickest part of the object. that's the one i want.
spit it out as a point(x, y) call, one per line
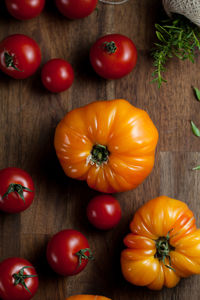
point(188, 8)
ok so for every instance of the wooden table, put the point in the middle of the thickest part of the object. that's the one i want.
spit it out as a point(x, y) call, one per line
point(29, 115)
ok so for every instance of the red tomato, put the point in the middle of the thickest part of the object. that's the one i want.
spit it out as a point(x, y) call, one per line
point(76, 9)
point(20, 56)
point(18, 279)
point(113, 56)
point(25, 9)
point(57, 75)
point(104, 212)
point(16, 190)
point(68, 252)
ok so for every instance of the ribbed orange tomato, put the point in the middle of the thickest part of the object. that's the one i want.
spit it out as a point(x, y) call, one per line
point(87, 297)
point(164, 245)
point(110, 144)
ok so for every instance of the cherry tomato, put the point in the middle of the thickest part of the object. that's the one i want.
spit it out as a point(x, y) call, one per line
point(25, 9)
point(16, 190)
point(104, 212)
point(76, 9)
point(18, 279)
point(113, 56)
point(57, 75)
point(20, 56)
point(68, 252)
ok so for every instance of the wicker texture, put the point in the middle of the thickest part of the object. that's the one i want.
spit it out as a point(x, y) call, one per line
point(188, 8)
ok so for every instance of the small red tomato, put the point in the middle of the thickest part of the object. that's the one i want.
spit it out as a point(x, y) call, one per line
point(57, 75)
point(68, 252)
point(16, 190)
point(25, 9)
point(113, 56)
point(20, 56)
point(18, 279)
point(104, 212)
point(76, 9)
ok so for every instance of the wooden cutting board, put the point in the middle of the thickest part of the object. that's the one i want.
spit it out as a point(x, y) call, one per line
point(29, 115)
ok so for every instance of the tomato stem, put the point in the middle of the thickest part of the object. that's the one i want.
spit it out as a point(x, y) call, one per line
point(20, 276)
point(9, 60)
point(18, 188)
point(81, 255)
point(110, 47)
point(99, 155)
point(163, 248)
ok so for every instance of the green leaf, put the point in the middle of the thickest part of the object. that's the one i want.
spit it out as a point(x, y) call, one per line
point(196, 168)
point(178, 37)
point(197, 93)
point(160, 36)
point(195, 129)
point(161, 29)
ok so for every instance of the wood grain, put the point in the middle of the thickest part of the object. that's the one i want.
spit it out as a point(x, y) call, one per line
point(29, 115)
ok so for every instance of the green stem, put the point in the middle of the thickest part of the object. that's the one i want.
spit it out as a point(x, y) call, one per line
point(20, 276)
point(9, 60)
point(99, 154)
point(18, 188)
point(81, 255)
point(110, 47)
point(163, 249)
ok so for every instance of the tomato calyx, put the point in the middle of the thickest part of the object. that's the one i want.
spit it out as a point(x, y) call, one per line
point(110, 47)
point(18, 188)
point(81, 255)
point(20, 276)
point(163, 249)
point(99, 155)
point(9, 61)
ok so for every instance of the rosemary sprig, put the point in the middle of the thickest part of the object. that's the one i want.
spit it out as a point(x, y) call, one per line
point(177, 37)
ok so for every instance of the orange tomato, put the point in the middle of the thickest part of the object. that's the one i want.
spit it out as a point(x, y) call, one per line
point(164, 245)
point(110, 144)
point(87, 297)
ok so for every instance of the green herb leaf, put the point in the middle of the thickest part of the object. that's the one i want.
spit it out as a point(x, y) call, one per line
point(177, 37)
point(197, 93)
point(195, 129)
point(196, 168)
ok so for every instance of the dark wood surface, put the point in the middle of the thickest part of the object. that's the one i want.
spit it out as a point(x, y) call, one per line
point(29, 115)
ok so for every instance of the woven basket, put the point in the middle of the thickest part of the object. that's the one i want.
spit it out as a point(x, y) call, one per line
point(187, 8)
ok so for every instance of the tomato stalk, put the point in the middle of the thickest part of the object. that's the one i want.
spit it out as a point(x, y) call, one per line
point(81, 255)
point(99, 155)
point(18, 188)
point(163, 248)
point(110, 47)
point(20, 276)
point(9, 60)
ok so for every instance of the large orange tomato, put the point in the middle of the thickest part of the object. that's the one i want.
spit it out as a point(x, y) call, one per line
point(110, 144)
point(164, 244)
point(87, 297)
